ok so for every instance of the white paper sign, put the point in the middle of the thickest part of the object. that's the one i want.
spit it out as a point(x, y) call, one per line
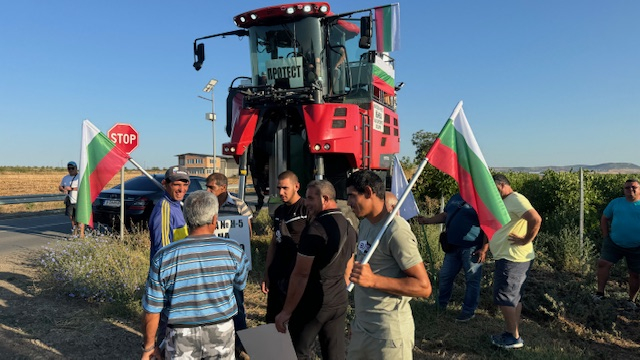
point(378, 117)
point(236, 227)
point(264, 342)
point(286, 68)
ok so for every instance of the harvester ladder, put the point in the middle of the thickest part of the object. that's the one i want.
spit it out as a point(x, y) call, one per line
point(366, 142)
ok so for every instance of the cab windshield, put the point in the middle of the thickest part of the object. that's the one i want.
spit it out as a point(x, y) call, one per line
point(288, 56)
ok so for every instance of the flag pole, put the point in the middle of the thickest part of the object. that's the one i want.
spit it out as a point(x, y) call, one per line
point(391, 216)
point(146, 173)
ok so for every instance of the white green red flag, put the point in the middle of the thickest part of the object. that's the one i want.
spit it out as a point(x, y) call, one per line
point(100, 161)
point(457, 153)
point(388, 28)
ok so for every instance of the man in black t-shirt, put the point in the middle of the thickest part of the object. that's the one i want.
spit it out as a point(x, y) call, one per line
point(317, 297)
point(289, 220)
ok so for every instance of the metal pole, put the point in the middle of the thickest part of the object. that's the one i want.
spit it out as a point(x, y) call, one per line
point(213, 125)
point(581, 211)
point(122, 204)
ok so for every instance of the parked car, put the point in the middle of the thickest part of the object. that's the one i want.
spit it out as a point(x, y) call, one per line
point(140, 196)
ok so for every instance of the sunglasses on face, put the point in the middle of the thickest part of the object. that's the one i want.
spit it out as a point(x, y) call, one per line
point(631, 187)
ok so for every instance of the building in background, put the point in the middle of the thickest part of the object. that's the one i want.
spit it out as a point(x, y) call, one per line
point(202, 164)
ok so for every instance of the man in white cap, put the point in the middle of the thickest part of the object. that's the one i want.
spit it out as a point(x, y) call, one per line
point(69, 186)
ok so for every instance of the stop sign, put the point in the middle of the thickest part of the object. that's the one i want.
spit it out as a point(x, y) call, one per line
point(124, 136)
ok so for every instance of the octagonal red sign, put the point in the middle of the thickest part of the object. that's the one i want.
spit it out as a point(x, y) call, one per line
point(124, 136)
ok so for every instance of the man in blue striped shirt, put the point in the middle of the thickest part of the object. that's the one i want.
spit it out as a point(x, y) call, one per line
point(193, 280)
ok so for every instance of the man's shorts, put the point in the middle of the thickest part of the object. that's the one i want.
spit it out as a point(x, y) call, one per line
point(612, 252)
point(70, 211)
point(364, 347)
point(216, 341)
point(508, 281)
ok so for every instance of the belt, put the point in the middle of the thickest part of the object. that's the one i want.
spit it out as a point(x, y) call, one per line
point(183, 326)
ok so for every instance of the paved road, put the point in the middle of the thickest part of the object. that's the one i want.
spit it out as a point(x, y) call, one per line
point(39, 229)
point(32, 232)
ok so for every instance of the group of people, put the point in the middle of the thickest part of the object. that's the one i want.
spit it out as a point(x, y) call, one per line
point(194, 301)
point(512, 250)
point(193, 296)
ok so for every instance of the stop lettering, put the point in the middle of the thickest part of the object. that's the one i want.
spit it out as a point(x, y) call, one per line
point(124, 136)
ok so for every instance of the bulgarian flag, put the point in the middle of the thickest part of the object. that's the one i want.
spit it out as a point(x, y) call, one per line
point(100, 161)
point(457, 153)
point(388, 28)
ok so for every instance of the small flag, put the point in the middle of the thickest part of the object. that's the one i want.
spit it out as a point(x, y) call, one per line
point(457, 153)
point(388, 28)
point(100, 161)
point(399, 182)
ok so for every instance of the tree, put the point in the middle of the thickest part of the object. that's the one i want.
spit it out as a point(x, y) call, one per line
point(432, 183)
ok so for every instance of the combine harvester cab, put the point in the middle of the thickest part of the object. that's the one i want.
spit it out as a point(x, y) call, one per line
point(318, 102)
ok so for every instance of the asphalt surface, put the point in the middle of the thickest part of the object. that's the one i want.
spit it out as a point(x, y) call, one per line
point(32, 231)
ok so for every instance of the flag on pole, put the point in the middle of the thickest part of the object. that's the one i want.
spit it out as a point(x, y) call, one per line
point(388, 28)
point(100, 161)
point(457, 153)
point(399, 182)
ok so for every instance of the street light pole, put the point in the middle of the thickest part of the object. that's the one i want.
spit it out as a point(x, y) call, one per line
point(212, 118)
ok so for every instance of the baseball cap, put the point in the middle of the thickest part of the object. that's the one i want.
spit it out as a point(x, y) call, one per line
point(176, 173)
point(72, 163)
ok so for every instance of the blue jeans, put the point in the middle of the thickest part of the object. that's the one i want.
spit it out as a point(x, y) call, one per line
point(462, 258)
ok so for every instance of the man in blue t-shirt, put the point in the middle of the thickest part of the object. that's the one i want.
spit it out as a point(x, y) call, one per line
point(191, 282)
point(620, 226)
point(468, 252)
point(166, 223)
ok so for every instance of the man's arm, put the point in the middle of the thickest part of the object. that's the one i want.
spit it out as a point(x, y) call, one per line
point(533, 220)
point(436, 219)
point(349, 269)
point(271, 251)
point(604, 226)
point(297, 285)
point(415, 284)
point(482, 251)
point(149, 328)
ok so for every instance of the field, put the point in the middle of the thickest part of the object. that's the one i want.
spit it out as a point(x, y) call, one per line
point(42, 320)
point(40, 182)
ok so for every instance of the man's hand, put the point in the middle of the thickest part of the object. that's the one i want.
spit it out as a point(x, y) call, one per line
point(517, 240)
point(482, 255)
point(152, 355)
point(362, 275)
point(264, 285)
point(282, 320)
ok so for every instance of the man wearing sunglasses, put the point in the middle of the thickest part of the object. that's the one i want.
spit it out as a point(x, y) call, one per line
point(620, 226)
point(69, 186)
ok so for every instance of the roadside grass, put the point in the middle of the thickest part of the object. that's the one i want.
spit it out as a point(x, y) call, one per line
point(560, 321)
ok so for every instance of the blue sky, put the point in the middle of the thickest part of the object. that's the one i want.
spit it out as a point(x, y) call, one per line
point(544, 82)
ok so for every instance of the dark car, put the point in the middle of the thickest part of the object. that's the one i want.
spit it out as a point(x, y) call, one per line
point(140, 196)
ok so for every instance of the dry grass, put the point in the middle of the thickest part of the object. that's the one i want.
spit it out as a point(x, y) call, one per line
point(40, 182)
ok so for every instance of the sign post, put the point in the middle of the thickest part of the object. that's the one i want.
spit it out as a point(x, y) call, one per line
point(126, 138)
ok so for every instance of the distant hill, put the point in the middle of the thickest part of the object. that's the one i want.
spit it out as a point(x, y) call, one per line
point(606, 168)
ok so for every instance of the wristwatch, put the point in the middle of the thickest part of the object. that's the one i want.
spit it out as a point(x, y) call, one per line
point(146, 350)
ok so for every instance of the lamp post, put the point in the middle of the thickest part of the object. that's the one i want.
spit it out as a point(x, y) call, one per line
point(212, 117)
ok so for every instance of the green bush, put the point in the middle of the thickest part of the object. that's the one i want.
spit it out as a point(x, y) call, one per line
point(97, 268)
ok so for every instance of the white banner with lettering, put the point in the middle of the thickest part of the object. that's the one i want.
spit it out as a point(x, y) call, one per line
point(236, 227)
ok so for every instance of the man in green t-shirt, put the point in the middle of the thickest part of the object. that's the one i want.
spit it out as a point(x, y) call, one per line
point(383, 326)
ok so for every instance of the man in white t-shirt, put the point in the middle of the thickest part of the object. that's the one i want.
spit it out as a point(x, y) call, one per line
point(69, 186)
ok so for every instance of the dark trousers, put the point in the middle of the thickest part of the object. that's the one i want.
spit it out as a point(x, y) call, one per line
point(329, 325)
point(240, 320)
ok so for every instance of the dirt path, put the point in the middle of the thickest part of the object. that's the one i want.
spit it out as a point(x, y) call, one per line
point(36, 325)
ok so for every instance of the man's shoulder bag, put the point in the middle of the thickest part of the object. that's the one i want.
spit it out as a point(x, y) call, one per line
point(444, 243)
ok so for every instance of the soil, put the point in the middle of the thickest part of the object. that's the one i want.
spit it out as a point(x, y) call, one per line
point(37, 325)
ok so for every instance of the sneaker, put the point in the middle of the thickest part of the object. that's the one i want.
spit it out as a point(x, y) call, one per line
point(597, 297)
point(464, 317)
point(507, 341)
